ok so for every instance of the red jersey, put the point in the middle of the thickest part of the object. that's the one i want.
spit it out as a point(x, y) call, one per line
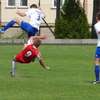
point(27, 55)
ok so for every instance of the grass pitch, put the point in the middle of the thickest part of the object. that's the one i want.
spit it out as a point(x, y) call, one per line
point(71, 70)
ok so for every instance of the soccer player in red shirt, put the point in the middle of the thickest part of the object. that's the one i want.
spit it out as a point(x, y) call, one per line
point(29, 54)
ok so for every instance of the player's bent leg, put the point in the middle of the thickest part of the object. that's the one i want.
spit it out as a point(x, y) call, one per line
point(7, 26)
point(18, 20)
point(42, 36)
point(10, 24)
point(13, 68)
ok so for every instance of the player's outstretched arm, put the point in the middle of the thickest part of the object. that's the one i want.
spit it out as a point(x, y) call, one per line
point(42, 63)
point(39, 37)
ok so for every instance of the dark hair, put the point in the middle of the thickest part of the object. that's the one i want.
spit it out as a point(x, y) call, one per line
point(33, 6)
point(36, 42)
point(98, 15)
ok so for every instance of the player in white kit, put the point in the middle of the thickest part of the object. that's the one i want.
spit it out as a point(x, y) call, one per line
point(97, 53)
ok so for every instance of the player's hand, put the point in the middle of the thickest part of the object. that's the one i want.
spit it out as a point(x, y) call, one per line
point(39, 8)
point(47, 68)
point(43, 37)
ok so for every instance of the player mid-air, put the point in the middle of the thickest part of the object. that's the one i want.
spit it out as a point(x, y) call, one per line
point(35, 15)
point(29, 53)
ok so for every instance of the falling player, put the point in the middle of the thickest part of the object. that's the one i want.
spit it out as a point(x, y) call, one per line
point(29, 54)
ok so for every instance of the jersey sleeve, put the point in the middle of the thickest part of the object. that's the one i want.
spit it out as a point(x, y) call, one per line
point(97, 28)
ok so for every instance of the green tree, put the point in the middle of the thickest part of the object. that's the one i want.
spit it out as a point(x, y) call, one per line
point(72, 22)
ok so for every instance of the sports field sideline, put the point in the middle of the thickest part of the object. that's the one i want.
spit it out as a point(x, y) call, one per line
point(69, 78)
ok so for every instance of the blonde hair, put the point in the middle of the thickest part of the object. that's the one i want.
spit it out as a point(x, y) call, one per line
point(37, 42)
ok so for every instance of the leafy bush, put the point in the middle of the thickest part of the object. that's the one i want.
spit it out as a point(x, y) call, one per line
point(73, 23)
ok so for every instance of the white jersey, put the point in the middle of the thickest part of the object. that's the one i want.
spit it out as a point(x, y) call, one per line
point(35, 17)
point(29, 42)
point(97, 29)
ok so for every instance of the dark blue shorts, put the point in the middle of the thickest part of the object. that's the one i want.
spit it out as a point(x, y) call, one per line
point(97, 54)
point(30, 30)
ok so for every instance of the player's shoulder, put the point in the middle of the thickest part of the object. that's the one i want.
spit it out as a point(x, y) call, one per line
point(38, 10)
point(28, 46)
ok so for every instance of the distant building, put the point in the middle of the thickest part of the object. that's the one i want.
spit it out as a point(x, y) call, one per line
point(8, 9)
point(88, 6)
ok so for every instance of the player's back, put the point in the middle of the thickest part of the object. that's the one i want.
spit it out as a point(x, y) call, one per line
point(26, 55)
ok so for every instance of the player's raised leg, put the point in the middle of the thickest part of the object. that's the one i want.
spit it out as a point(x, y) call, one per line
point(10, 24)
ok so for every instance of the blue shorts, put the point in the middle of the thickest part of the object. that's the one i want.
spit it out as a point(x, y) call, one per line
point(30, 30)
point(97, 54)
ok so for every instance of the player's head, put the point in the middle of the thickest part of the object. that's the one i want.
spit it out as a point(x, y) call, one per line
point(98, 16)
point(33, 6)
point(36, 42)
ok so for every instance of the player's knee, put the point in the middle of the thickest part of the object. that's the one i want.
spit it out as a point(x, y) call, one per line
point(97, 60)
point(17, 20)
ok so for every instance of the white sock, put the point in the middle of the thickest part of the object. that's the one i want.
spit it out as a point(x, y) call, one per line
point(13, 69)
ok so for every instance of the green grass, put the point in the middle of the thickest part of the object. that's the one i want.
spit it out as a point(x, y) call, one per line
point(71, 70)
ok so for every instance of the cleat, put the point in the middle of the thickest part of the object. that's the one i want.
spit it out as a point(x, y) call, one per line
point(2, 31)
point(95, 82)
point(12, 74)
